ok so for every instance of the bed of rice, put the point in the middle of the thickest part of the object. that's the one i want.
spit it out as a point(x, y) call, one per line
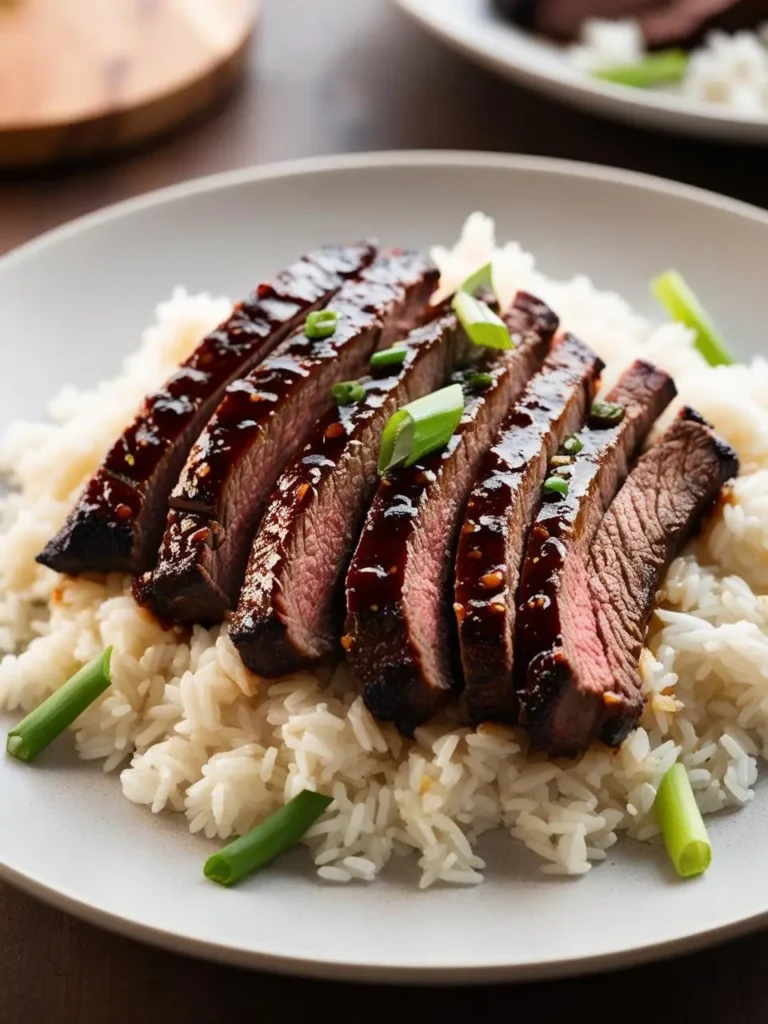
point(728, 70)
point(193, 732)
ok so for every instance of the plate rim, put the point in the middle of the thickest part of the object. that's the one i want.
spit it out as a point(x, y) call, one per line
point(394, 158)
point(328, 967)
point(606, 98)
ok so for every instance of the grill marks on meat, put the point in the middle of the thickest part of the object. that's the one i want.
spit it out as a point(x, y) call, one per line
point(499, 511)
point(398, 638)
point(551, 619)
point(660, 507)
point(117, 522)
point(256, 430)
point(292, 602)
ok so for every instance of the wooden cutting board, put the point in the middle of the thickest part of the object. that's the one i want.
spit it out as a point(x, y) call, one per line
point(83, 77)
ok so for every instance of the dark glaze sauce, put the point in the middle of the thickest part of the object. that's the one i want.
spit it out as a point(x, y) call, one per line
point(429, 353)
point(378, 642)
point(144, 463)
point(497, 517)
point(276, 404)
point(566, 524)
point(249, 404)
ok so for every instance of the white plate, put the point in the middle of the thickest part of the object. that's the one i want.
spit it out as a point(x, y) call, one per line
point(73, 302)
point(473, 28)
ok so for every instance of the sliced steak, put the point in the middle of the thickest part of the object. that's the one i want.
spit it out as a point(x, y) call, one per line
point(594, 684)
point(662, 22)
point(564, 529)
point(118, 520)
point(292, 603)
point(498, 516)
point(256, 430)
point(399, 638)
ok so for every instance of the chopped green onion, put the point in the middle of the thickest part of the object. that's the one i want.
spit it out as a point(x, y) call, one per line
point(389, 357)
point(480, 279)
point(480, 380)
point(347, 392)
point(41, 726)
point(555, 485)
point(262, 844)
point(683, 305)
point(682, 826)
point(606, 414)
point(572, 445)
point(321, 324)
point(659, 68)
point(421, 427)
point(480, 323)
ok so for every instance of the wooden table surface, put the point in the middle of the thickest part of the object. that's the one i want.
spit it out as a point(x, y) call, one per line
point(333, 76)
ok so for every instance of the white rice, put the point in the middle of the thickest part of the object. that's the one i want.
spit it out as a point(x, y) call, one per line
point(727, 70)
point(195, 733)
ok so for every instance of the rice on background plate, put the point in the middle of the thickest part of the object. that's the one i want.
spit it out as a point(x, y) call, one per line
point(194, 732)
point(728, 70)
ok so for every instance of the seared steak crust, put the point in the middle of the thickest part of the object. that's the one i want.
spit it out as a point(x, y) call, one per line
point(291, 606)
point(590, 687)
point(256, 430)
point(399, 642)
point(118, 520)
point(498, 516)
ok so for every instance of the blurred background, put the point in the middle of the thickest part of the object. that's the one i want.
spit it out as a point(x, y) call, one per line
point(313, 77)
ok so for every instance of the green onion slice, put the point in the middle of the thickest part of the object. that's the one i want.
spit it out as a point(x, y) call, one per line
point(41, 726)
point(321, 324)
point(389, 357)
point(555, 485)
point(662, 68)
point(264, 843)
point(682, 826)
point(606, 414)
point(347, 392)
point(481, 381)
point(481, 278)
point(572, 445)
point(683, 305)
point(421, 427)
point(480, 323)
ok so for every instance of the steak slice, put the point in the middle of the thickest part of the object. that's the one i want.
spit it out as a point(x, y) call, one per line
point(118, 520)
point(594, 685)
point(564, 529)
point(499, 512)
point(258, 428)
point(662, 22)
point(398, 638)
point(291, 605)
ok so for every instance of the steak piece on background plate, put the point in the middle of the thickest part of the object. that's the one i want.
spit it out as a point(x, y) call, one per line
point(563, 530)
point(292, 603)
point(118, 521)
point(399, 640)
point(503, 501)
point(594, 685)
point(662, 22)
point(256, 430)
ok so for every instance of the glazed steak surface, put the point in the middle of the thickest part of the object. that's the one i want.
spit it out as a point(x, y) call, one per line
point(117, 522)
point(499, 512)
point(292, 603)
point(256, 430)
point(398, 638)
point(562, 533)
point(594, 686)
